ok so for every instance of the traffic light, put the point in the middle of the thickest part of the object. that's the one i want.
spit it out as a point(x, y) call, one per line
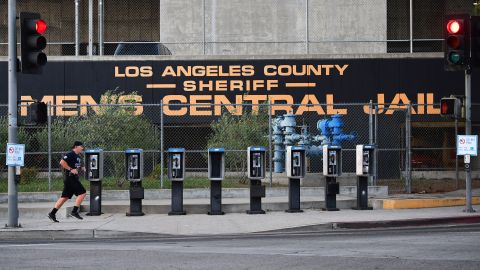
point(450, 107)
point(32, 42)
point(475, 41)
point(37, 113)
point(457, 42)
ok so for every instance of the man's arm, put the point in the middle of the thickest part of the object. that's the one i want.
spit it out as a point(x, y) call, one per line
point(64, 165)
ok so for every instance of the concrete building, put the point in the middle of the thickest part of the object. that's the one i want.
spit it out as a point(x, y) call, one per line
point(236, 27)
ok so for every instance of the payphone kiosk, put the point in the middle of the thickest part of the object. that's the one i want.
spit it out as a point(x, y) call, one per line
point(364, 169)
point(256, 172)
point(134, 174)
point(94, 174)
point(176, 174)
point(332, 168)
point(296, 168)
point(216, 173)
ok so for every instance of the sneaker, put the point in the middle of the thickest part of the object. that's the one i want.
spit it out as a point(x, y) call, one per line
point(52, 217)
point(76, 214)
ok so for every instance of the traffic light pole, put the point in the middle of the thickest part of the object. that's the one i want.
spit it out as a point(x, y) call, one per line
point(468, 131)
point(12, 110)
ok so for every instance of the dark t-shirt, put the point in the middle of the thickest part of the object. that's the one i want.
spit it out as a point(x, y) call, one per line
point(73, 160)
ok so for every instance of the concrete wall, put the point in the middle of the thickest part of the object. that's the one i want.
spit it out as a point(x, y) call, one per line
point(348, 20)
point(254, 26)
point(273, 26)
point(231, 26)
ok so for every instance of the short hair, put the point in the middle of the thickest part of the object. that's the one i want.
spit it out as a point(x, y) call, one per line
point(77, 143)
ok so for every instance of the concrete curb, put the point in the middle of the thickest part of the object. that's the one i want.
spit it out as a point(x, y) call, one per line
point(420, 203)
point(20, 234)
point(407, 222)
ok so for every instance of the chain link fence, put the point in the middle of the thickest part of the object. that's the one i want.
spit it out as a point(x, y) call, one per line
point(240, 27)
point(435, 166)
point(416, 146)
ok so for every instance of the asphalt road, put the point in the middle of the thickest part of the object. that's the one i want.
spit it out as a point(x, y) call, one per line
point(455, 247)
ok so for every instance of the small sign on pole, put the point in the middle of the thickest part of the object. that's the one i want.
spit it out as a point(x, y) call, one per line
point(15, 155)
point(467, 145)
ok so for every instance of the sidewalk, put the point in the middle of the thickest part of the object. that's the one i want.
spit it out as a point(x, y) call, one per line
point(161, 225)
point(156, 223)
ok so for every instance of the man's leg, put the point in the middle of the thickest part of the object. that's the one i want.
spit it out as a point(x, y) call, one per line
point(78, 201)
point(58, 204)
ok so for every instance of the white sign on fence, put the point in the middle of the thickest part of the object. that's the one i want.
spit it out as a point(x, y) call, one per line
point(15, 154)
point(467, 145)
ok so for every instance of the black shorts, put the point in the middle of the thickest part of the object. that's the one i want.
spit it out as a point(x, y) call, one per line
point(72, 186)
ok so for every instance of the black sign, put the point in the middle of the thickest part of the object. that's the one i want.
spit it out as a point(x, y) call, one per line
point(393, 82)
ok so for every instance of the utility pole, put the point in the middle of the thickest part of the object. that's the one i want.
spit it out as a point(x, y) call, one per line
point(468, 131)
point(12, 110)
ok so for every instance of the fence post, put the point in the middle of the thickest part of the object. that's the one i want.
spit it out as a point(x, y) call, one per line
point(408, 156)
point(49, 132)
point(161, 144)
point(270, 163)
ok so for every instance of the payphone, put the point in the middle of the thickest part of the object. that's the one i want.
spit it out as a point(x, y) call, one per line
point(332, 168)
point(134, 174)
point(216, 173)
point(176, 174)
point(364, 169)
point(296, 168)
point(94, 174)
point(256, 172)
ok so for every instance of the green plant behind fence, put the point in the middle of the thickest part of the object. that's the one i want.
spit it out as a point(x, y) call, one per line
point(237, 133)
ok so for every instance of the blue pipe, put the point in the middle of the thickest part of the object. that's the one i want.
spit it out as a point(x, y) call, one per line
point(332, 129)
point(278, 151)
point(331, 132)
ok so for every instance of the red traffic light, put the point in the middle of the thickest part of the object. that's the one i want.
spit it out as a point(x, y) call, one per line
point(450, 106)
point(453, 26)
point(40, 26)
point(32, 41)
point(444, 108)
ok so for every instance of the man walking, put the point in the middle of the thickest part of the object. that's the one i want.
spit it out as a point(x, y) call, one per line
point(71, 163)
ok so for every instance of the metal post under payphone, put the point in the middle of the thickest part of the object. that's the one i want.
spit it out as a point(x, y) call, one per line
point(216, 173)
point(256, 172)
point(176, 174)
point(134, 174)
point(332, 167)
point(94, 173)
point(295, 168)
point(364, 170)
